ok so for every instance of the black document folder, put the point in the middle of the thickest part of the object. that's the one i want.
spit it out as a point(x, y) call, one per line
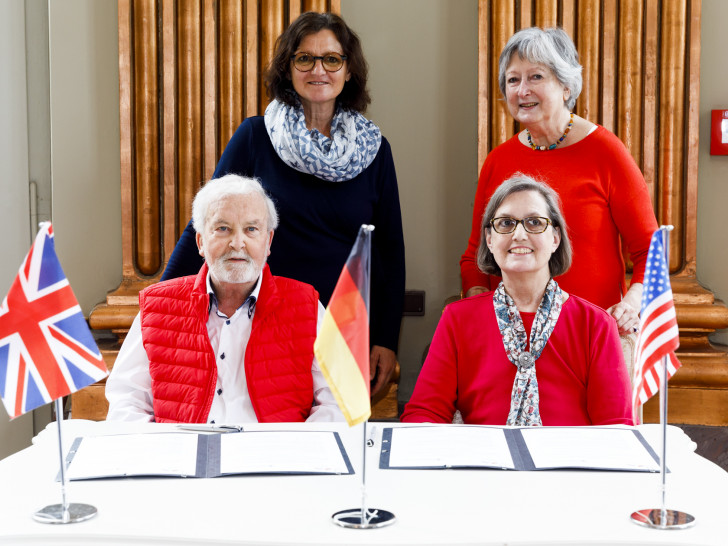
point(528, 448)
point(183, 454)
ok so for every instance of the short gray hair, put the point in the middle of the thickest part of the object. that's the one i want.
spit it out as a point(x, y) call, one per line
point(560, 260)
point(231, 184)
point(551, 47)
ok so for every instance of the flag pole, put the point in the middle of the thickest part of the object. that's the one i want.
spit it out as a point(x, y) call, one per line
point(364, 518)
point(41, 295)
point(663, 518)
point(64, 512)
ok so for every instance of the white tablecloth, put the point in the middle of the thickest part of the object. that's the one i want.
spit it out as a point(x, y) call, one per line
point(432, 506)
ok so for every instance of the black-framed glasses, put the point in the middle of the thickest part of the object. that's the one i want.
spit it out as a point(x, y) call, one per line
point(304, 62)
point(532, 224)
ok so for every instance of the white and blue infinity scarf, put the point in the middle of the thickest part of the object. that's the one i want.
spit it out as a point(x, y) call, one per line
point(353, 145)
point(524, 396)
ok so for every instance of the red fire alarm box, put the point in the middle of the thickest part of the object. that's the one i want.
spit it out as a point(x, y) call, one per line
point(719, 132)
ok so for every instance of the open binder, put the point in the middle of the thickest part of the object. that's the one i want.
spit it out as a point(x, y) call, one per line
point(181, 454)
point(527, 448)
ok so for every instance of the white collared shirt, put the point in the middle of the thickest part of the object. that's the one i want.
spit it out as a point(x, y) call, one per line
point(129, 387)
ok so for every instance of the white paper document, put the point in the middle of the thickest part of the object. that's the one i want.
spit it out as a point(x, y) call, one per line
point(281, 452)
point(587, 447)
point(449, 446)
point(165, 454)
point(208, 455)
point(517, 448)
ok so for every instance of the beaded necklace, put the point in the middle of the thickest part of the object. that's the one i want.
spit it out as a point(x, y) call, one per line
point(544, 148)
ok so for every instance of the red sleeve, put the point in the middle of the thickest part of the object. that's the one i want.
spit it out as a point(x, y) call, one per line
point(631, 207)
point(470, 274)
point(433, 400)
point(608, 395)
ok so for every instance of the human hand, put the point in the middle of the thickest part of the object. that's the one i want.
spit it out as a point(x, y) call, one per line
point(627, 317)
point(475, 290)
point(381, 366)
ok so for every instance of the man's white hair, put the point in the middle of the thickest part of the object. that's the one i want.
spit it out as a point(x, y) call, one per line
point(231, 184)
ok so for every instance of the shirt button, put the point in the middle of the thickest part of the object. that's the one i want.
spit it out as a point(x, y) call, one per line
point(227, 322)
point(222, 356)
point(219, 391)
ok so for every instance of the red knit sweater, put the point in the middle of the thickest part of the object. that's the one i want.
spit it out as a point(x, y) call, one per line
point(582, 378)
point(603, 197)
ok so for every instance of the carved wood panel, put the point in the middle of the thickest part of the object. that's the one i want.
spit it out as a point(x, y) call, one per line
point(641, 78)
point(190, 71)
point(641, 62)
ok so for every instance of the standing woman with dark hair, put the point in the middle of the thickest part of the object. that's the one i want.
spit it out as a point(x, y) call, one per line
point(328, 169)
point(605, 196)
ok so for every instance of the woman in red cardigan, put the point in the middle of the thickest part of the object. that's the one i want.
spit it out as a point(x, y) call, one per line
point(605, 197)
point(527, 353)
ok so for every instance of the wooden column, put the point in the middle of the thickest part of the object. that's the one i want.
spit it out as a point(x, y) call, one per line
point(190, 71)
point(641, 62)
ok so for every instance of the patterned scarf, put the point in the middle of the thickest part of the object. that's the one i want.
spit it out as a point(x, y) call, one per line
point(353, 145)
point(524, 396)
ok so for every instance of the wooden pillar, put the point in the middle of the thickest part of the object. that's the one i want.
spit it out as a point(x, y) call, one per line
point(641, 62)
point(189, 73)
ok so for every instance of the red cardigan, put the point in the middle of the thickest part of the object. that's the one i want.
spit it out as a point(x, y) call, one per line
point(278, 357)
point(603, 196)
point(581, 374)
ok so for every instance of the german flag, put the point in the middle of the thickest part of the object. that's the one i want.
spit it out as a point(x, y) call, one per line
point(342, 345)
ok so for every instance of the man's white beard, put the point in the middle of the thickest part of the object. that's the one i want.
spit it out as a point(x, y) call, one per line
point(236, 273)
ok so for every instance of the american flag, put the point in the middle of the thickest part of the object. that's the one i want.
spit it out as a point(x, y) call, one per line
point(46, 348)
point(659, 335)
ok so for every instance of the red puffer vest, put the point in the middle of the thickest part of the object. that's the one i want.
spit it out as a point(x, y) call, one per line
point(278, 358)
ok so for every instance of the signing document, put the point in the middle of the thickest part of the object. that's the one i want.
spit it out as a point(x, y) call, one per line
point(517, 448)
point(448, 446)
point(588, 447)
point(184, 454)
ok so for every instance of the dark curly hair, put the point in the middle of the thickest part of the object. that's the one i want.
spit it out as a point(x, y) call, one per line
point(354, 96)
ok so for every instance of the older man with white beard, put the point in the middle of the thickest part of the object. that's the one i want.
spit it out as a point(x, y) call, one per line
point(232, 344)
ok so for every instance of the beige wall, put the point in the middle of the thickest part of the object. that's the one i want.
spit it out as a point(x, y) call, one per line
point(713, 169)
point(14, 221)
point(423, 59)
point(85, 164)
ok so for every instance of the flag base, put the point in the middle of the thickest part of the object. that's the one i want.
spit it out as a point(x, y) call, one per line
point(74, 513)
point(653, 518)
point(373, 519)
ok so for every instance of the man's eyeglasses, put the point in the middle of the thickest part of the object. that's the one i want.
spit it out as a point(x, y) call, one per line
point(532, 224)
point(304, 62)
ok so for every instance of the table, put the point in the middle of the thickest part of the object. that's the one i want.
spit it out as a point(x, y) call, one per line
point(462, 507)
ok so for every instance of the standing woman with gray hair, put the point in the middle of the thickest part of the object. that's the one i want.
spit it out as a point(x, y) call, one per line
point(604, 193)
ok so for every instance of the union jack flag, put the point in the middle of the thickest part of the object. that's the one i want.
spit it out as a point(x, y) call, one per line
point(46, 348)
point(659, 335)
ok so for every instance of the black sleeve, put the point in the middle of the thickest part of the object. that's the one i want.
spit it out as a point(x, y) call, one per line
point(185, 259)
point(388, 260)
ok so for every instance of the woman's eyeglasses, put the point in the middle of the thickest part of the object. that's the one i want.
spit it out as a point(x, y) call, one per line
point(304, 62)
point(532, 224)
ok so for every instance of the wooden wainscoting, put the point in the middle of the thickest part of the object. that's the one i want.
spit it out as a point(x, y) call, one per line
point(189, 73)
point(641, 62)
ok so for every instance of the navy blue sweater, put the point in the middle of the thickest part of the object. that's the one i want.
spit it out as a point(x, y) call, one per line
point(319, 221)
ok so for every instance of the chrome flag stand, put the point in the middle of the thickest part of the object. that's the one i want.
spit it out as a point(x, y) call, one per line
point(64, 512)
point(663, 518)
point(343, 352)
point(364, 518)
point(40, 309)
